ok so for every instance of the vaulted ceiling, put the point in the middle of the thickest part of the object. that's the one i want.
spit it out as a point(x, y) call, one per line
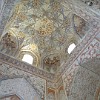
point(43, 29)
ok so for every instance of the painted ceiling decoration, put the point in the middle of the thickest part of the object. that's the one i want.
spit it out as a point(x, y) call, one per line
point(51, 62)
point(80, 25)
point(43, 29)
point(9, 41)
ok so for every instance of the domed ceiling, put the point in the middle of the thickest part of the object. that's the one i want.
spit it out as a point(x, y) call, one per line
point(44, 29)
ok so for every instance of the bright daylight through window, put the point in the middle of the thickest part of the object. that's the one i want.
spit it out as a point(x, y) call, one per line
point(28, 58)
point(71, 48)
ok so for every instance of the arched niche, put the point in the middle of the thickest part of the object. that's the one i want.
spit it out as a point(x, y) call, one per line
point(31, 50)
point(80, 26)
point(9, 43)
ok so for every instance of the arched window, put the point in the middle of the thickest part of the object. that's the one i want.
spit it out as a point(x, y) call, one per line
point(71, 48)
point(27, 58)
